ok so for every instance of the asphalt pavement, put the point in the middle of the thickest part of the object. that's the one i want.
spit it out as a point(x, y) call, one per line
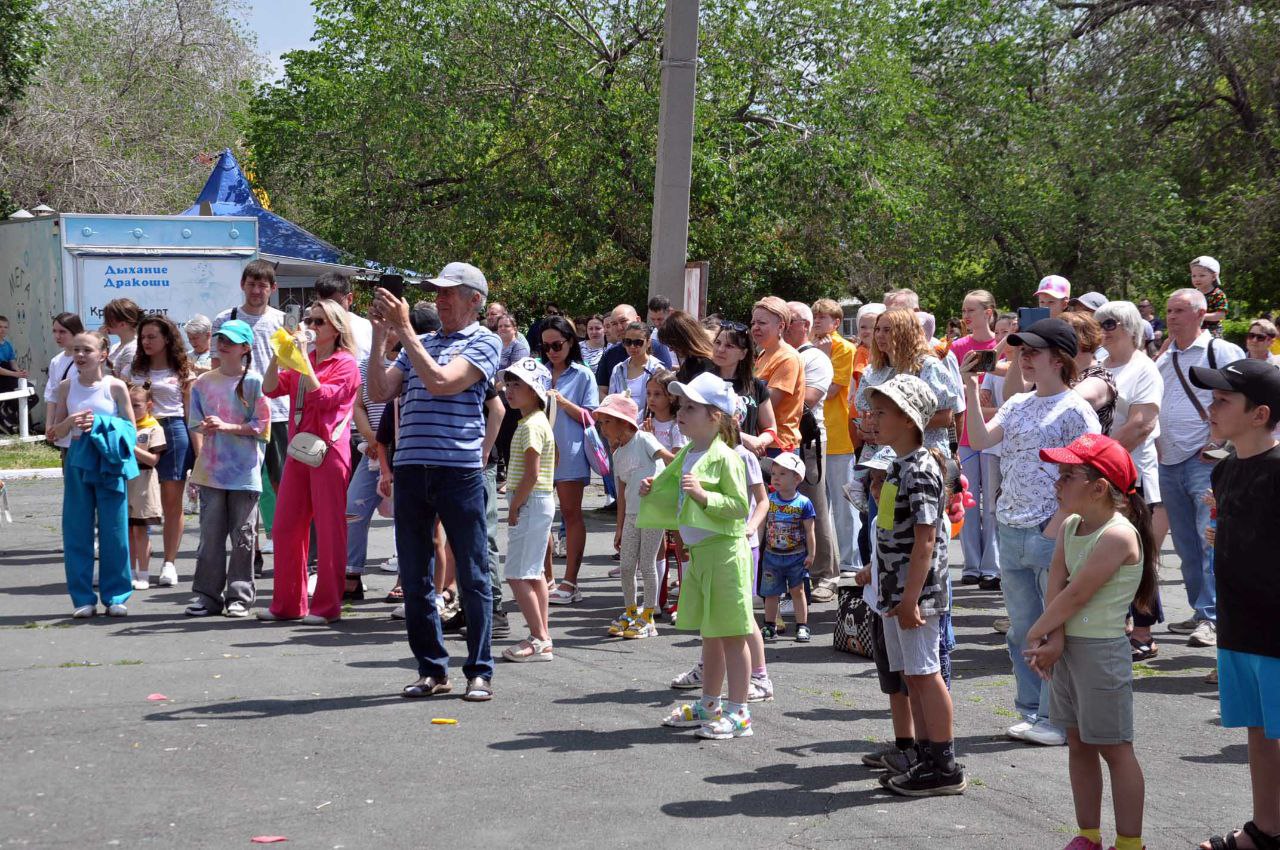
point(299, 731)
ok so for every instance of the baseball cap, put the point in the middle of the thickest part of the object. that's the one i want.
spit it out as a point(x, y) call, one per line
point(1209, 263)
point(709, 389)
point(880, 461)
point(533, 374)
point(1104, 454)
point(237, 331)
point(620, 407)
point(1055, 285)
point(1092, 300)
point(461, 274)
point(1256, 380)
point(1048, 333)
point(912, 396)
point(790, 461)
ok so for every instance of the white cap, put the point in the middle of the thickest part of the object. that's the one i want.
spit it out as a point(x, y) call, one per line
point(533, 374)
point(710, 389)
point(790, 461)
point(462, 274)
point(1209, 263)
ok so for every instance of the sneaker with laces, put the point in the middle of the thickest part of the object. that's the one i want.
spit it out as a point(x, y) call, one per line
point(86, 611)
point(689, 680)
point(1045, 734)
point(117, 610)
point(803, 635)
point(690, 714)
point(501, 625)
point(726, 726)
point(901, 761)
point(1205, 634)
point(1019, 730)
point(760, 689)
point(141, 583)
point(391, 565)
point(876, 758)
point(926, 780)
point(197, 609)
point(168, 575)
point(1186, 627)
point(641, 627)
point(623, 621)
point(768, 633)
point(236, 609)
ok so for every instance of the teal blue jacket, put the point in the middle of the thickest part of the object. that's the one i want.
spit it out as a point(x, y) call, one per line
point(105, 453)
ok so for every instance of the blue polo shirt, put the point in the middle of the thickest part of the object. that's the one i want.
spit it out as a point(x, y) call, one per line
point(446, 430)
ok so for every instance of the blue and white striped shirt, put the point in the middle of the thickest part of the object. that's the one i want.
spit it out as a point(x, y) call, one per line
point(446, 430)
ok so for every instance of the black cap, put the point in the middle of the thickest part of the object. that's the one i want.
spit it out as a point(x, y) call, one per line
point(1048, 333)
point(1256, 380)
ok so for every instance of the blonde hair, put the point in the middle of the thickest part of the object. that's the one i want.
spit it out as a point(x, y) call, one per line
point(988, 302)
point(1267, 326)
point(907, 346)
point(829, 308)
point(336, 314)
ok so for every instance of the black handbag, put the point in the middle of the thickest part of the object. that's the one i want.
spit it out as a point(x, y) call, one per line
point(852, 632)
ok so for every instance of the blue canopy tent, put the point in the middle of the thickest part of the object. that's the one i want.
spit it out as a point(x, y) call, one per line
point(300, 256)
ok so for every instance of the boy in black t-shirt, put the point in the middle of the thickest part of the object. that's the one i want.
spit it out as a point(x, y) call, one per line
point(1246, 486)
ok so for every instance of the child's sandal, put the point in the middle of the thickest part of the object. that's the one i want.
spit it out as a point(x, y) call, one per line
point(560, 596)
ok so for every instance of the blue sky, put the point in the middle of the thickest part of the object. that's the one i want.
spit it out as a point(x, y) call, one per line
point(281, 26)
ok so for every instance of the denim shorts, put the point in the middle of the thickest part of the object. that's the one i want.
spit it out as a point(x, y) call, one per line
point(527, 539)
point(780, 573)
point(1249, 691)
point(178, 456)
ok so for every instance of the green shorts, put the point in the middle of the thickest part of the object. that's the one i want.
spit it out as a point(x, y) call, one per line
point(715, 595)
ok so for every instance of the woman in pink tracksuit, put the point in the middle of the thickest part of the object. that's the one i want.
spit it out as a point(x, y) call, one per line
point(306, 494)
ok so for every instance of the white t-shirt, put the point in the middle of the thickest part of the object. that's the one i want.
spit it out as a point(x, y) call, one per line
point(61, 367)
point(1182, 432)
point(754, 476)
point(633, 463)
point(1139, 382)
point(263, 327)
point(688, 533)
point(818, 374)
point(1031, 423)
point(668, 433)
point(362, 332)
point(995, 385)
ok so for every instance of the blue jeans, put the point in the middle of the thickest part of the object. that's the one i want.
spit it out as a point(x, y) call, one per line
point(978, 537)
point(491, 531)
point(1025, 555)
point(455, 496)
point(81, 501)
point(1182, 489)
point(362, 501)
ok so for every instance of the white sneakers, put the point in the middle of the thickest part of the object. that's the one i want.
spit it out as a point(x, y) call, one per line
point(168, 575)
point(1205, 634)
point(117, 611)
point(84, 612)
point(391, 565)
point(1040, 732)
point(141, 581)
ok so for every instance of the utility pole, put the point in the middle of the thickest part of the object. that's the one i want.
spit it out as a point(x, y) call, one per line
point(669, 247)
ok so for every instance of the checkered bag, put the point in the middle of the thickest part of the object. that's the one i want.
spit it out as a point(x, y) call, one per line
point(852, 633)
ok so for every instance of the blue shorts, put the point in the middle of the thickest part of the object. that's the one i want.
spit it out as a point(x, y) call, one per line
point(780, 573)
point(1249, 691)
point(178, 456)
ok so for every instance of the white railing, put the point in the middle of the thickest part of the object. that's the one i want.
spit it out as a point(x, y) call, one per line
point(24, 393)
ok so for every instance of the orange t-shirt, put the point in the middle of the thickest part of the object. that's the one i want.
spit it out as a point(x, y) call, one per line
point(861, 360)
point(835, 410)
point(782, 369)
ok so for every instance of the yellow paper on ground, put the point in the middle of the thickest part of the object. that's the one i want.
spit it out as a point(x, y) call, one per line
point(288, 355)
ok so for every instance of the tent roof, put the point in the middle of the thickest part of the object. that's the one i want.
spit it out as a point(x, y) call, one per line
point(227, 192)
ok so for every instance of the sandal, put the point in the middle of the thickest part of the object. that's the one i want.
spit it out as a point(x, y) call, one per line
point(428, 687)
point(395, 595)
point(561, 596)
point(1260, 839)
point(478, 690)
point(1142, 650)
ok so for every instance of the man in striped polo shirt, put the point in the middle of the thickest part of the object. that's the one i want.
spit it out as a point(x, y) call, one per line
point(439, 468)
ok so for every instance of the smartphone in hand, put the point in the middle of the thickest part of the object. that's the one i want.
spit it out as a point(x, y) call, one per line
point(393, 283)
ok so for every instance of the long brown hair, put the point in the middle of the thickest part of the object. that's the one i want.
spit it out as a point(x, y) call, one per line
point(1134, 508)
point(174, 350)
point(684, 335)
point(907, 346)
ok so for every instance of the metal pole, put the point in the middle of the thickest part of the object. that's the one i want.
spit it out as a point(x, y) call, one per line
point(670, 242)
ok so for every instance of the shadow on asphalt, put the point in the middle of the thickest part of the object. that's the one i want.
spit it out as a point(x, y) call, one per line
point(586, 740)
point(1233, 754)
point(248, 709)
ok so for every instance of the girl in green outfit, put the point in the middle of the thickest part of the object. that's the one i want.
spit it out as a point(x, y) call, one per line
point(703, 494)
point(1105, 559)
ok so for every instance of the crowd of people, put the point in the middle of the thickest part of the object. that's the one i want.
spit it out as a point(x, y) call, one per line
point(747, 464)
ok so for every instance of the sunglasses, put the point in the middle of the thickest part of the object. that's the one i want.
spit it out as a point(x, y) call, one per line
point(1109, 324)
point(734, 326)
point(634, 343)
point(554, 346)
point(1260, 337)
point(315, 323)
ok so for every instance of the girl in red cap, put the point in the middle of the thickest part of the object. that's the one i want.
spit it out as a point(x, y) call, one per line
point(1104, 560)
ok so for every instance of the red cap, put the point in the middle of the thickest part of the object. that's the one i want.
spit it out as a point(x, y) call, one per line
point(1104, 454)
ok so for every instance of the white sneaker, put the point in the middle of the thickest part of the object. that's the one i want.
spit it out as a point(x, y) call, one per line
point(168, 575)
point(786, 606)
point(267, 547)
point(1205, 634)
point(236, 609)
point(689, 680)
point(117, 611)
point(397, 613)
point(1019, 730)
point(1045, 734)
point(141, 582)
point(311, 584)
point(84, 612)
point(391, 565)
point(759, 689)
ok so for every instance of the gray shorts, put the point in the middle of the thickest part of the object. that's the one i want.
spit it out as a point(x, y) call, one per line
point(1092, 690)
point(913, 651)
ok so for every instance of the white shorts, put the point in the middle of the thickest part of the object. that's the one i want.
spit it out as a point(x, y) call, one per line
point(527, 539)
point(913, 652)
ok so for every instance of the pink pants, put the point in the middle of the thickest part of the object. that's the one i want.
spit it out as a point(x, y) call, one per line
point(307, 494)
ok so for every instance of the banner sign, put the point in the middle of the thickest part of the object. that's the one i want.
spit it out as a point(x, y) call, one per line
point(177, 287)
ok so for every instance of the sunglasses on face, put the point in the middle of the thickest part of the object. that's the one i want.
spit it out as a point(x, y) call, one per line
point(554, 346)
point(1257, 337)
point(1109, 324)
point(315, 323)
point(634, 343)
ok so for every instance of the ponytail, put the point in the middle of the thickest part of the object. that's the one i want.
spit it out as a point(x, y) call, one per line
point(247, 357)
point(1137, 512)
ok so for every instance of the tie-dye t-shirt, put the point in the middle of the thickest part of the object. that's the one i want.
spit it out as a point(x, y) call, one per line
point(229, 461)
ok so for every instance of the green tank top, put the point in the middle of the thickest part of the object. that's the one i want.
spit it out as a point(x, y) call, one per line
point(1103, 615)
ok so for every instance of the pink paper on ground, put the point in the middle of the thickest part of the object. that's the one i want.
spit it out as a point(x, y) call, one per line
point(157, 698)
point(268, 839)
